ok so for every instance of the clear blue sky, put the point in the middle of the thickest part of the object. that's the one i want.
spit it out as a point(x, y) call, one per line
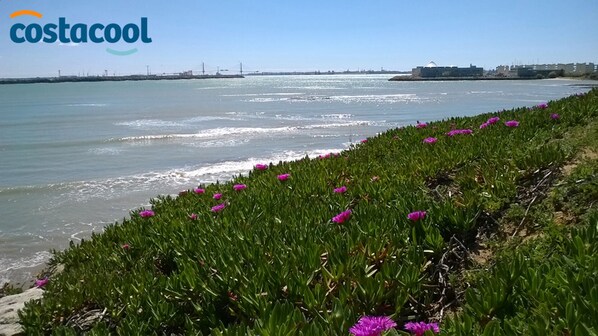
point(283, 35)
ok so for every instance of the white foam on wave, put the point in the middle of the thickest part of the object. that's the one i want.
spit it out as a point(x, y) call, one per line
point(381, 98)
point(11, 266)
point(150, 123)
point(85, 191)
point(337, 116)
point(263, 94)
point(87, 105)
point(227, 132)
point(226, 170)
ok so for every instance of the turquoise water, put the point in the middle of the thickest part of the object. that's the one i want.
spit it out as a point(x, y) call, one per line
point(78, 156)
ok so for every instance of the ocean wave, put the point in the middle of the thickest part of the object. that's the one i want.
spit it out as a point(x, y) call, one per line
point(337, 116)
point(384, 98)
point(147, 124)
point(8, 266)
point(264, 94)
point(150, 123)
point(223, 132)
point(87, 105)
point(172, 179)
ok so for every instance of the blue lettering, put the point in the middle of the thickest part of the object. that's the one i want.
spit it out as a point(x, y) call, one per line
point(92, 33)
point(135, 32)
point(79, 33)
point(51, 35)
point(13, 33)
point(144, 37)
point(29, 33)
point(82, 29)
point(62, 28)
point(112, 38)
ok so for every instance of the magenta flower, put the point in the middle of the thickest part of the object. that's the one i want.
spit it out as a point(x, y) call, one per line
point(512, 123)
point(430, 140)
point(39, 283)
point(199, 190)
point(219, 207)
point(555, 116)
point(217, 196)
point(146, 213)
point(126, 246)
point(329, 155)
point(283, 177)
point(459, 131)
point(493, 120)
point(342, 217)
point(261, 166)
point(420, 328)
point(421, 125)
point(239, 187)
point(416, 215)
point(372, 326)
point(340, 190)
point(193, 216)
point(484, 125)
point(542, 106)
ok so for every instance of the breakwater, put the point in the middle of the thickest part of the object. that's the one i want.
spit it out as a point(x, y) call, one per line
point(71, 79)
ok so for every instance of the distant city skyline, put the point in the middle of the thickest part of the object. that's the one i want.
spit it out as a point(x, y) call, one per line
point(279, 36)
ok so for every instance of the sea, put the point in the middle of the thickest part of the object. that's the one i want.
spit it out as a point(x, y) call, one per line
point(75, 157)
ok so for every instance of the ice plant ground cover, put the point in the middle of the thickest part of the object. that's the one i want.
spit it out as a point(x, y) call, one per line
point(506, 246)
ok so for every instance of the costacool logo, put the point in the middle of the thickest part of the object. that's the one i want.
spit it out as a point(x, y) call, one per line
point(66, 32)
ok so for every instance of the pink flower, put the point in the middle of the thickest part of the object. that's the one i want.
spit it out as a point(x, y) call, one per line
point(542, 106)
point(193, 216)
point(421, 125)
point(459, 131)
point(493, 120)
point(342, 217)
point(372, 326)
point(420, 328)
point(484, 125)
point(261, 166)
point(219, 207)
point(329, 155)
point(416, 215)
point(199, 190)
point(239, 187)
point(146, 213)
point(283, 177)
point(217, 196)
point(555, 116)
point(340, 190)
point(512, 123)
point(39, 283)
point(126, 246)
point(364, 140)
point(430, 140)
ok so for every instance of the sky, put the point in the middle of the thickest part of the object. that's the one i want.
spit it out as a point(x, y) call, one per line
point(306, 35)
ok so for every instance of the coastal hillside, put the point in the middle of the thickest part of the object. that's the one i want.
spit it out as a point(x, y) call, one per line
point(482, 225)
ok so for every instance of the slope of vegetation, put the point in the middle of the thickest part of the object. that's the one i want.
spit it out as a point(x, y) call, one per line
point(486, 226)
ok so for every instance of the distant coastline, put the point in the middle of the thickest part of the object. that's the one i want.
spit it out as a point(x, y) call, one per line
point(436, 79)
point(70, 79)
